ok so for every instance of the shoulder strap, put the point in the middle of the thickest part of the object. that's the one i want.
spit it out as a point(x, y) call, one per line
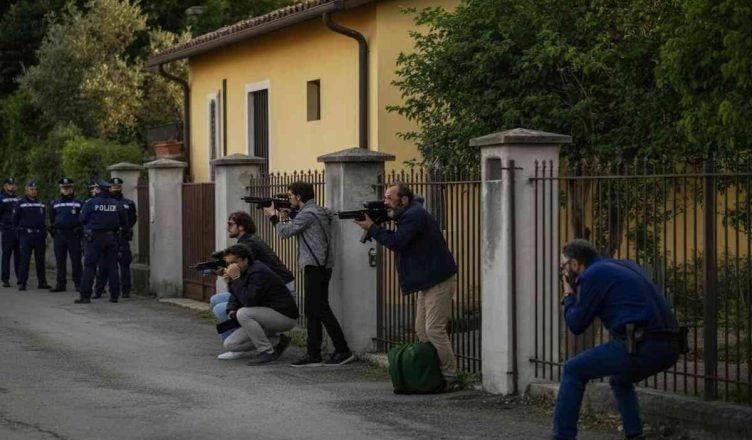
point(326, 235)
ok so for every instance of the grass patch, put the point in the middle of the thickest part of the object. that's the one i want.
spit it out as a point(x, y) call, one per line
point(297, 337)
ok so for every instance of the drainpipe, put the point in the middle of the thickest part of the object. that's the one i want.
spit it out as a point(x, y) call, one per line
point(362, 74)
point(186, 112)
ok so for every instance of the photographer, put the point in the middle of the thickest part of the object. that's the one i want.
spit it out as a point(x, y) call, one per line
point(312, 227)
point(425, 265)
point(260, 302)
point(645, 335)
point(240, 226)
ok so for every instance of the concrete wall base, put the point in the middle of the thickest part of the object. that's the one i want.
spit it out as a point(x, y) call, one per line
point(140, 279)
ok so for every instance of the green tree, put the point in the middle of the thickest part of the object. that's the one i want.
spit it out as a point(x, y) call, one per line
point(86, 158)
point(707, 61)
point(579, 68)
point(218, 13)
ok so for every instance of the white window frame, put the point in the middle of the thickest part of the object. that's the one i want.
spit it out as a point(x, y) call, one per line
point(255, 87)
point(213, 97)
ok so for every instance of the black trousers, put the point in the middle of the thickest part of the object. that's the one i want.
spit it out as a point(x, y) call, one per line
point(318, 312)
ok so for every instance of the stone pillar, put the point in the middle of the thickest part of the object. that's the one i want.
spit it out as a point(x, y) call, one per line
point(166, 229)
point(351, 179)
point(508, 220)
point(232, 176)
point(130, 173)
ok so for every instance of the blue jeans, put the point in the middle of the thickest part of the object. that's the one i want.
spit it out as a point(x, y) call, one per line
point(218, 305)
point(610, 359)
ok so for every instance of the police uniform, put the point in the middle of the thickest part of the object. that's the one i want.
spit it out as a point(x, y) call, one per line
point(621, 295)
point(9, 235)
point(125, 257)
point(103, 218)
point(29, 221)
point(67, 233)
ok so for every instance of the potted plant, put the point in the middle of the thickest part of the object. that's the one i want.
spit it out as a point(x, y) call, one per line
point(170, 147)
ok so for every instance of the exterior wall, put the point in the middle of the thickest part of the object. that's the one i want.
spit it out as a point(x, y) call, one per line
point(288, 59)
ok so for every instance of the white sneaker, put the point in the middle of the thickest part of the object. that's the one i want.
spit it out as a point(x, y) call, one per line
point(232, 355)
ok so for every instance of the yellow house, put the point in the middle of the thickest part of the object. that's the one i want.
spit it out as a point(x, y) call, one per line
point(292, 85)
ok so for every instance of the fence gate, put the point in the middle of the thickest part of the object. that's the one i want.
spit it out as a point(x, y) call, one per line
point(142, 192)
point(198, 238)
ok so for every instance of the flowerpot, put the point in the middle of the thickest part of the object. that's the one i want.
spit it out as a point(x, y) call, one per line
point(168, 148)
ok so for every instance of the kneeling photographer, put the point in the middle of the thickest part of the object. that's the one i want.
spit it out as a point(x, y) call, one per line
point(260, 303)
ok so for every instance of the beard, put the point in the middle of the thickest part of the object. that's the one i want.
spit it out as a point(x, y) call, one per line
point(396, 211)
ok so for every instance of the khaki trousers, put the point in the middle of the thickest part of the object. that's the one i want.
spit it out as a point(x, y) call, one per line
point(433, 312)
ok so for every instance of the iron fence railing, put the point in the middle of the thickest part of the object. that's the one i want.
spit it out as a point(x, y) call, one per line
point(454, 200)
point(688, 225)
point(287, 250)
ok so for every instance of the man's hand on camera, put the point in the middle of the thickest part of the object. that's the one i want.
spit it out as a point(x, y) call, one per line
point(568, 288)
point(366, 223)
point(233, 271)
point(220, 272)
point(270, 211)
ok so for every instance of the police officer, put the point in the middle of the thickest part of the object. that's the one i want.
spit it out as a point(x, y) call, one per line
point(67, 233)
point(10, 245)
point(103, 218)
point(29, 220)
point(125, 257)
point(645, 333)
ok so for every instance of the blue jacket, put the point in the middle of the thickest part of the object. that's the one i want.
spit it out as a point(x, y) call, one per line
point(130, 209)
point(423, 257)
point(8, 206)
point(103, 213)
point(618, 292)
point(30, 214)
point(65, 212)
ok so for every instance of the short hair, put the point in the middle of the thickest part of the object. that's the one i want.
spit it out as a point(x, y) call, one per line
point(580, 250)
point(240, 251)
point(302, 189)
point(403, 190)
point(242, 218)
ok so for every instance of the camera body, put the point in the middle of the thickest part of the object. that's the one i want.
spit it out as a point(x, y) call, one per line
point(376, 211)
point(280, 201)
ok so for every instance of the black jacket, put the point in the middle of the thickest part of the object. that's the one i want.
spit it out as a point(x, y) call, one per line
point(263, 253)
point(423, 257)
point(258, 286)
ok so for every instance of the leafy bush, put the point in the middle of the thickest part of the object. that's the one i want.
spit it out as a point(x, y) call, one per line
point(86, 158)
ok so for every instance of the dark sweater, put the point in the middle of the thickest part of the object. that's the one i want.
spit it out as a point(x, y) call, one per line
point(423, 257)
point(263, 253)
point(258, 286)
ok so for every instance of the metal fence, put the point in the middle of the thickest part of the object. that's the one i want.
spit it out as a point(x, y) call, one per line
point(454, 200)
point(688, 225)
point(287, 250)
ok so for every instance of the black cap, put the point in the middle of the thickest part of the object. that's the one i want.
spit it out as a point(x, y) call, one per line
point(9, 181)
point(116, 181)
point(65, 182)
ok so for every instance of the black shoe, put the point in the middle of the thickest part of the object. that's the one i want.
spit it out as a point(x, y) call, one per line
point(451, 386)
point(113, 300)
point(284, 342)
point(338, 359)
point(58, 288)
point(96, 296)
point(44, 286)
point(18, 283)
point(264, 358)
point(125, 295)
point(22, 287)
point(6, 284)
point(307, 361)
point(82, 301)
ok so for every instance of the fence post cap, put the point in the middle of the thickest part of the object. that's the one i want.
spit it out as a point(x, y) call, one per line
point(165, 163)
point(125, 166)
point(356, 155)
point(520, 136)
point(238, 159)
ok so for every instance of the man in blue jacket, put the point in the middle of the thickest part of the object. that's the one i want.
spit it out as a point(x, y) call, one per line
point(29, 220)
point(10, 245)
point(645, 333)
point(103, 218)
point(425, 266)
point(67, 233)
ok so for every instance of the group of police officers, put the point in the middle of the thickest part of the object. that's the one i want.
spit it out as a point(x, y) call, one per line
point(101, 227)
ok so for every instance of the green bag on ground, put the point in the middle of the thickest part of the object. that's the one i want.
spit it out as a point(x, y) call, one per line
point(415, 369)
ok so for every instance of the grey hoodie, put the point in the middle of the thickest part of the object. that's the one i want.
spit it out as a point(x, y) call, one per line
point(313, 226)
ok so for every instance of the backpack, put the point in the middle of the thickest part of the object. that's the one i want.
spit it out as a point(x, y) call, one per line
point(414, 369)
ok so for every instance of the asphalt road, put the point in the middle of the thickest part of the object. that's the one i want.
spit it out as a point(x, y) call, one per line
point(140, 369)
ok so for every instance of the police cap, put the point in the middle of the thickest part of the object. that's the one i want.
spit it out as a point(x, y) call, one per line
point(9, 181)
point(31, 184)
point(116, 181)
point(65, 182)
point(92, 183)
point(103, 184)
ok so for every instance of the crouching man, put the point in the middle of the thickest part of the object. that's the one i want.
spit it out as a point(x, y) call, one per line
point(261, 304)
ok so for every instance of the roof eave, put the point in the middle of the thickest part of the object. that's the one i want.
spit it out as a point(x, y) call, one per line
point(283, 22)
